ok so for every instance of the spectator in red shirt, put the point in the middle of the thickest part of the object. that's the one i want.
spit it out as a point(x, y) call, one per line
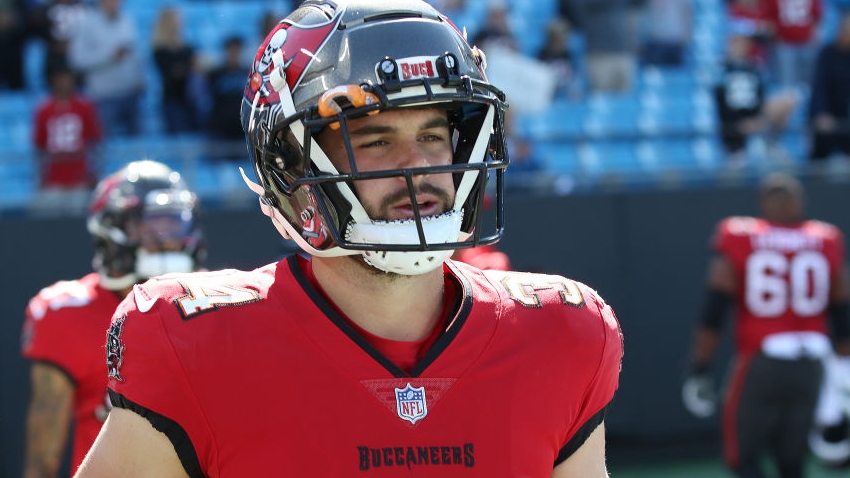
point(795, 25)
point(66, 129)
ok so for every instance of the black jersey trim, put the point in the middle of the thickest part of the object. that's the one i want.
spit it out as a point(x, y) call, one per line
point(176, 434)
point(329, 311)
point(580, 436)
point(459, 311)
point(458, 314)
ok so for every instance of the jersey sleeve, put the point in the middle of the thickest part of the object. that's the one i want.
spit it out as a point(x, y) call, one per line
point(147, 377)
point(51, 321)
point(837, 255)
point(606, 338)
point(91, 121)
point(39, 133)
point(721, 238)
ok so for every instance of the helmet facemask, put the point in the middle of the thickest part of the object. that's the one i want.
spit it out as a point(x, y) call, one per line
point(317, 205)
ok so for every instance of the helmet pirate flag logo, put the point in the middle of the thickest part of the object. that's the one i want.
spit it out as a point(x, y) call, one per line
point(410, 403)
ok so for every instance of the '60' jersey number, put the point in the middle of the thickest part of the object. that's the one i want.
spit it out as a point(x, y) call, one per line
point(526, 289)
point(776, 283)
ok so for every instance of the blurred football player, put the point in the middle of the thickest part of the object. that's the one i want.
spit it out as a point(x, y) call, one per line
point(788, 280)
point(373, 132)
point(143, 222)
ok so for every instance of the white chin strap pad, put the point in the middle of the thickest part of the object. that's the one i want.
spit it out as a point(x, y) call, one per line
point(438, 230)
point(117, 283)
point(159, 263)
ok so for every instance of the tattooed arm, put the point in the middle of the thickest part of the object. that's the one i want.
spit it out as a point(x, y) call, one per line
point(48, 420)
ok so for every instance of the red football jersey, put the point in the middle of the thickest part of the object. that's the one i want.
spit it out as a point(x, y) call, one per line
point(254, 374)
point(783, 273)
point(795, 21)
point(65, 326)
point(63, 130)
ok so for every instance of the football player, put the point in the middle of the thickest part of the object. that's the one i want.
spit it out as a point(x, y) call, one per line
point(788, 280)
point(142, 220)
point(373, 131)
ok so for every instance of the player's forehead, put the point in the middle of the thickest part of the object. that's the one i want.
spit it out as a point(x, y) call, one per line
point(401, 119)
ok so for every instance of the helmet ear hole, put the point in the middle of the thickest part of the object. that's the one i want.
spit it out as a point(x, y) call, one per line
point(287, 154)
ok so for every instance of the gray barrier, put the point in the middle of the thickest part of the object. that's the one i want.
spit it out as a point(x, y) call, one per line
point(645, 252)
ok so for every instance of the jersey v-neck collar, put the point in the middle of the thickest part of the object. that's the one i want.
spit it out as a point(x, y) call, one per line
point(452, 323)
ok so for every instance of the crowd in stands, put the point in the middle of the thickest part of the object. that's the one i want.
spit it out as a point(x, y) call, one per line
point(773, 62)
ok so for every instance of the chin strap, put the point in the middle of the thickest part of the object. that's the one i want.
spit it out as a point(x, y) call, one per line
point(438, 230)
point(117, 283)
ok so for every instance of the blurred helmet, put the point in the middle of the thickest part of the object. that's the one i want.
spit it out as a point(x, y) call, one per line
point(328, 62)
point(143, 219)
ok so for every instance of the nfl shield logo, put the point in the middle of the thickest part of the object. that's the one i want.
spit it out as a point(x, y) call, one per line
point(410, 403)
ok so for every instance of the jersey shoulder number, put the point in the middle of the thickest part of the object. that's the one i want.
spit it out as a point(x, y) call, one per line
point(194, 294)
point(534, 290)
point(58, 296)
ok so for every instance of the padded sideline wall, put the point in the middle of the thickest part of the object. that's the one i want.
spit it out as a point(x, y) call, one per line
point(645, 252)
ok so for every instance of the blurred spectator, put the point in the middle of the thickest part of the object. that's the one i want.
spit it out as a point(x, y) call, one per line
point(450, 8)
point(742, 104)
point(226, 85)
point(556, 53)
point(668, 32)
point(104, 50)
point(525, 167)
point(750, 18)
point(55, 21)
point(795, 25)
point(65, 132)
point(495, 33)
point(268, 21)
point(535, 87)
point(12, 40)
point(568, 12)
point(829, 106)
point(609, 43)
point(175, 61)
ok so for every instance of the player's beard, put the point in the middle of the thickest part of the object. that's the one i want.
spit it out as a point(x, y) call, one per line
point(443, 196)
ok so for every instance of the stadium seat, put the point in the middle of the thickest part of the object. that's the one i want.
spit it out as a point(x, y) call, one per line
point(559, 157)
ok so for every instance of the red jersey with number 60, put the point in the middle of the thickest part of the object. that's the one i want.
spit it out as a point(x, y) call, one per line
point(255, 374)
point(784, 275)
point(65, 327)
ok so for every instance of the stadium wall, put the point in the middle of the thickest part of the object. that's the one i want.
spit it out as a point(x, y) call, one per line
point(645, 252)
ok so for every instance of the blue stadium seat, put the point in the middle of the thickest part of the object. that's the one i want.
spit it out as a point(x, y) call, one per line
point(563, 120)
point(559, 157)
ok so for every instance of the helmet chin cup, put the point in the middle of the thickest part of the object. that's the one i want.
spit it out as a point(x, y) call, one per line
point(152, 264)
point(441, 229)
point(117, 283)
